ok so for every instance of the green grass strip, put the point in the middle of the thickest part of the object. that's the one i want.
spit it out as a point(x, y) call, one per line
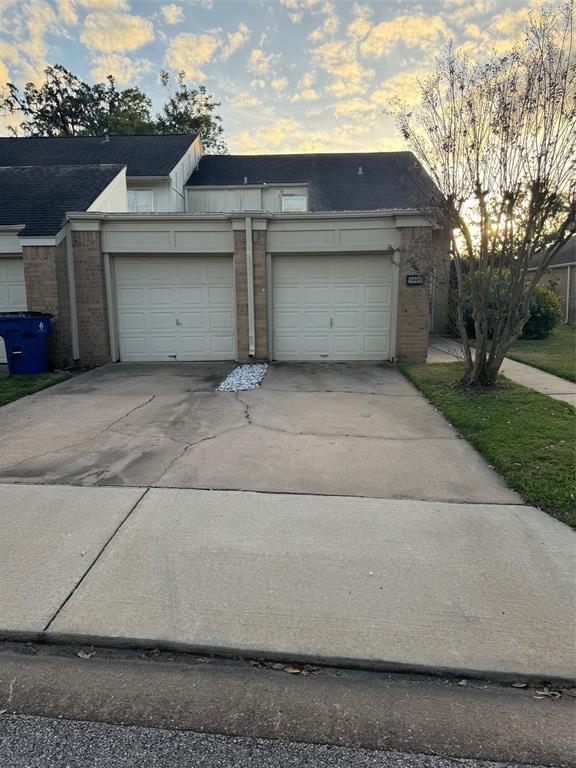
point(14, 387)
point(528, 438)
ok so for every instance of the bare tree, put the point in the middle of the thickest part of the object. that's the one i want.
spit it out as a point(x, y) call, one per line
point(499, 139)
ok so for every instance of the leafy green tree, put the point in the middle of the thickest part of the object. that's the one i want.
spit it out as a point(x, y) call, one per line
point(190, 110)
point(65, 105)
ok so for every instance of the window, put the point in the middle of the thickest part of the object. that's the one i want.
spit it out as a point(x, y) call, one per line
point(141, 200)
point(293, 203)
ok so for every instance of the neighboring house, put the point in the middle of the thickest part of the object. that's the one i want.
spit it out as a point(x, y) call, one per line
point(560, 275)
point(145, 250)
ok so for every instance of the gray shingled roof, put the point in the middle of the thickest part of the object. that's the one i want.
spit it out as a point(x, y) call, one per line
point(566, 255)
point(144, 155)
point(388, 180)
point(40, 196)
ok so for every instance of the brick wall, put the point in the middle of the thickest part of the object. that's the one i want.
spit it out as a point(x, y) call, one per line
point(93, 336)
point(418, 255)
point(260, 293)
point(241, 282)
point(46, 278)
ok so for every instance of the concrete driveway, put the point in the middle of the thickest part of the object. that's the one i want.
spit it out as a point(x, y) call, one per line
point(336, 429)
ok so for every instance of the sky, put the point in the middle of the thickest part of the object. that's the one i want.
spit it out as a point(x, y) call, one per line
point(291, 75)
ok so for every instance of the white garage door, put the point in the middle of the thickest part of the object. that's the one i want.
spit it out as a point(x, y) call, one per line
point(332, 307)
point(12, 291)
point(175, 307)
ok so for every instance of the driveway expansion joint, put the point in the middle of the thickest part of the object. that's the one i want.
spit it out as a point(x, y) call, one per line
point(96, 559)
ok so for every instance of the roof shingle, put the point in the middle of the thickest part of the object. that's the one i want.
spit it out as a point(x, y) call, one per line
point(336, 182)
point(144, 155)
point(40, 196)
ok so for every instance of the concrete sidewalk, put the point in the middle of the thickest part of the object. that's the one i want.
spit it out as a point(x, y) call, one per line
point(477, 589)
point(444, 350)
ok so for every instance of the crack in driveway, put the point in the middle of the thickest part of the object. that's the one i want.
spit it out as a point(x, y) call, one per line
point(64, 448)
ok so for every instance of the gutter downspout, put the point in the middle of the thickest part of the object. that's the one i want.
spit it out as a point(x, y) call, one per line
point(250, 288)
point(72, 293)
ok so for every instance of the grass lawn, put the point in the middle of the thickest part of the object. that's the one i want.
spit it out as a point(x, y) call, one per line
point(527, 437)
point(556, 354)
point(14, 387)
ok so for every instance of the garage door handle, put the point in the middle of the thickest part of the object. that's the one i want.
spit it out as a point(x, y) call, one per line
point(331, 322)
point(178, 322)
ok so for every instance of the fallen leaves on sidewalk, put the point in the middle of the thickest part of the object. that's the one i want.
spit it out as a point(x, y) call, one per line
point(153, 652)
point(550, 693)
point(87, 654)
point(292, 669)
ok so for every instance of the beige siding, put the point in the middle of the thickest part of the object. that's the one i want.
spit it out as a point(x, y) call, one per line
point(114, 198)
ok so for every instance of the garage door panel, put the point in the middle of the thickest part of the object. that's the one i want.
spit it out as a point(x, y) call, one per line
point(160, 295)
point(285, 294)
point(187, 296)
point(347, 294)
point(12, 290)
point(346, 345)
point(219, 321)
point(331, 307)
point(220, 294)
point(345, 319)
point(313, 295)
point(377, 320)
point(287, 321)
point(377, 294)
point(175, 307)
point(315, 320)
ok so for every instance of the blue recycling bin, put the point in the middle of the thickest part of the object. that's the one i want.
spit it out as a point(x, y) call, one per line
point(25, 337)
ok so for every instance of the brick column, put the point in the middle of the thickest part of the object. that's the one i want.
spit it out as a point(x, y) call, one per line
point(241, 282)
point(260, 293)
point(46, 278)
point(92, 307)
point(416, 254)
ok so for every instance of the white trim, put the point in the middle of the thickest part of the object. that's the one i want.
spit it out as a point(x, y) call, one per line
point(56, 240)
point(72, 295)
point(250, 288)
point(312, 215)
point(271, 185)
point(110, 283)
point(395, 259)
point(554, 266)
point(148, 179)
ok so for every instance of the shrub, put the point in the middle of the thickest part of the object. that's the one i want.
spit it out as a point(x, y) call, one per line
point(545, 313)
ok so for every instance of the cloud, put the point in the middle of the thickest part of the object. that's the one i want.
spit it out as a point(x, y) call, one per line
point(67, 12)
point(417, 31)
point(103, 5)
point(245, 100)
point(279, 84)
point(361, 24)
point(124, 70)
point(234, 41)
point(270, 138)
point(353, 108)
point(329, 26)
point(306, 90)
point(111, 32)
point(404, 86)
point(259, 62)
point(173, 13)
point(189, 52)
point(339, 59)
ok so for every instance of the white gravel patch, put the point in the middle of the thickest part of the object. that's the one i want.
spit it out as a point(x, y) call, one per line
point(244, 377)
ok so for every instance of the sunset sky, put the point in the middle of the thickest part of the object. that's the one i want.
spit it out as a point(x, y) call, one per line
point(292, 75)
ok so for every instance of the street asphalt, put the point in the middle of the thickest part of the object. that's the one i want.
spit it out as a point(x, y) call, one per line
point(32, 742)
